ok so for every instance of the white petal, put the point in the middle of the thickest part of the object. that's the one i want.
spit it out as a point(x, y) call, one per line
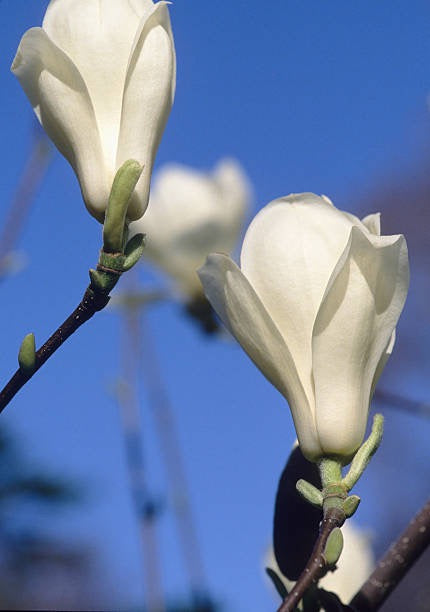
point(184, 223)
point(142, 8)
point(98, 36)
point(197, 211)
point(213, 278)
point(373, 223)
point(358, 314)
point(183, 201)
point(61, 101)
point(148, 98)
point(244, 315)
point(288, 254)
point(327, 200)
point(382, 362)
point(356, 221)
point(191, 214)
point(234, 198)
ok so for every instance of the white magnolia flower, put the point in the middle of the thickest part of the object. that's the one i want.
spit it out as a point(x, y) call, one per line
point(355, 565)
point(100, 75)
point(315, 304)
point(191, 214)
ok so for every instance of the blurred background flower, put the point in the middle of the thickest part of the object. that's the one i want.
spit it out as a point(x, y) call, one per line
point(192, 213)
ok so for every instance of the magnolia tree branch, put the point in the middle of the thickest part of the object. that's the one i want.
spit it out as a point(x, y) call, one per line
point(395, 564)
point(337, 506)
point(317, 565)
point(116, 256)
point(89, 305)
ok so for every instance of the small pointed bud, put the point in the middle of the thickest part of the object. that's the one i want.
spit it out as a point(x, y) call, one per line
point(334, 546)
point(365, 452)
point(27, 354)
point(310, 493)
point(351, 504)
point(133, 251)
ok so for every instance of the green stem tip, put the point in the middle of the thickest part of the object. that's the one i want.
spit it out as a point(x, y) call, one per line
point(114, 228)
point(365, 452)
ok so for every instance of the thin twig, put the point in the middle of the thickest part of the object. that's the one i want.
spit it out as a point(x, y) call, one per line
point(317, 565)
point(116, 256)
point(91, 303)
point(395, 564)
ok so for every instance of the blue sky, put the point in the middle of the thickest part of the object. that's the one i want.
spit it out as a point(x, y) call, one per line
point(329, 97)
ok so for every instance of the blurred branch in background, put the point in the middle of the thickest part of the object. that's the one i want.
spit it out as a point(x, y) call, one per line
point(161, 408)
point(405, 404)
point(30, 180)
point(146, 508)
point(398, 560)
point(142, 351)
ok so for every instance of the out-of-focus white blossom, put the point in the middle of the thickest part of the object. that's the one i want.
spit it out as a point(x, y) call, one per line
point(191, 214)
point(315, 305)
point(100, 75)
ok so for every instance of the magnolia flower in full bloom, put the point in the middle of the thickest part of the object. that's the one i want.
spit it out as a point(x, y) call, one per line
point(315, 304)
point(100, 75)
point(192, 213)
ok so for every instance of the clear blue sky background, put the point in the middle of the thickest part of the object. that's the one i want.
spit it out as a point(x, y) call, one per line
point(309, 95)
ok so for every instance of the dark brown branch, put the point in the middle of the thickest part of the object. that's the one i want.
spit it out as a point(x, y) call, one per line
point(317, 565)
point(395, 564)
point(89, 305)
